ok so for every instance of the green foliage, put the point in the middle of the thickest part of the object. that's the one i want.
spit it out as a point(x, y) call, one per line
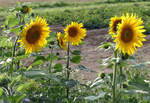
point(105, 45)
point(11, 21)
point(58, 67)
point(1, 92)
point(76, 52)
point(81, 67)
point(76, 59)
point(16, 30)
point(93, 15)
point(5, 42)
point(127, 0)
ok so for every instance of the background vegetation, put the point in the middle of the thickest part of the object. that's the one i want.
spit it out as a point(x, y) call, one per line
point(93, 14)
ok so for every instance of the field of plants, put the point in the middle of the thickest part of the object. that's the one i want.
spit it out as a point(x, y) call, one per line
point(74, 51)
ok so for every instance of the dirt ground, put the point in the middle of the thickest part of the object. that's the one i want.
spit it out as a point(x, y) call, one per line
point(91, 54)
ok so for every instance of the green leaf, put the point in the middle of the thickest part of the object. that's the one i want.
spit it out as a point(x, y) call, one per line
point(1, 92)
point(76, 52)
point(58, 67)
point(41, 74)
point(19, 98)
point(76, 59)
point(16, 30)
point(139, 83)
point(81, 67)
point(83, 43)
point(29, 68)
point(141, 65)
point(97, 83)
point(16, 79)
point(22, 87)
point(21, 57)
point(5, 99)
point(71, 83)
point(135, 91)
point(5, 42)
point(54, 57)
point(37, 62)
point(8, 54)
point(51, 38)
point(92, 98)
point(36, 73)
point(40, 58)
point(11, 21)
point(105, 45)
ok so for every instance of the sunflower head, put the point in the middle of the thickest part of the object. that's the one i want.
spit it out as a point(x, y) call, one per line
point(113, 24)
point(26, 9)
point(34, 35)
point(130, 34)
point(75, 33)
point(61, 40)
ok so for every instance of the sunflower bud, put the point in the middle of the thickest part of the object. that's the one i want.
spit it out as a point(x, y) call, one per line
point(124, 56)
point(107, 97)
point(52, 42)
point(125, 85)
point(102, 75)
point(57, 54)
point(26, 9)
point(3, 80)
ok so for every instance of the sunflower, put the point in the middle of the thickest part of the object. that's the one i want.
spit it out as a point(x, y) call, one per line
point(74, 33)
point(113, 24)
point(26, 9)
point(130, 34)
point(61, 41)
point(34, 35)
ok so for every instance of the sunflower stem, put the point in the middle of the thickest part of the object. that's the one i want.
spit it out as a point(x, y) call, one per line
point(114, 78)
point(67, 67)
point(14, 47)
point(51, 60)
point(14, 52)
point(2, 52)
point(120, 77)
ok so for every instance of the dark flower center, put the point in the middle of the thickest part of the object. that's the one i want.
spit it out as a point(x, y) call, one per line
point(116, 24)
point(61, 42)
point(127, 35)
point(33, 34)
point(73, 31)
